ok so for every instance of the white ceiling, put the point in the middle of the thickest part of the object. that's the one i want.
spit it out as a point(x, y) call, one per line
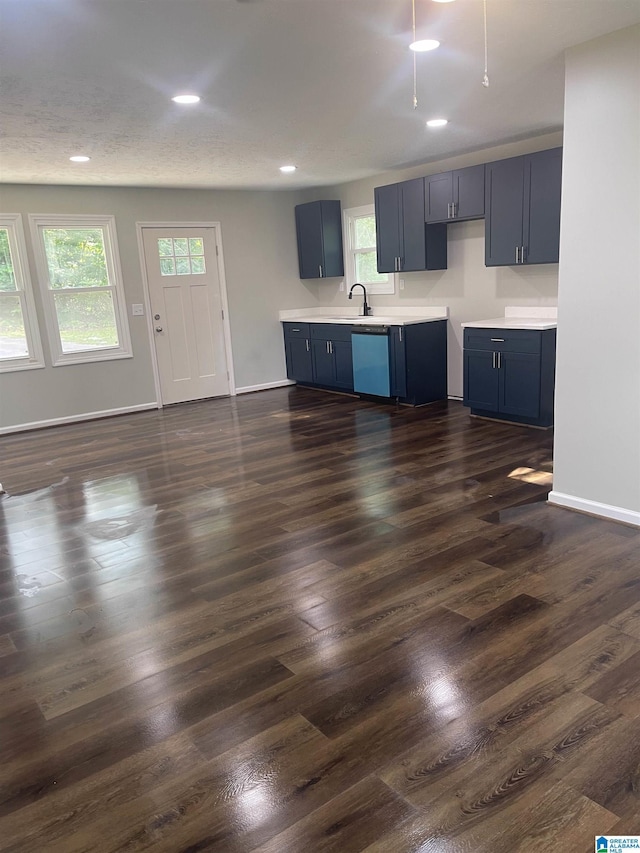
point(324, 84)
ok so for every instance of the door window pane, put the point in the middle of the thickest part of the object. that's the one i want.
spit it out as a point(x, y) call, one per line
point(86, 320)
point(181, 255)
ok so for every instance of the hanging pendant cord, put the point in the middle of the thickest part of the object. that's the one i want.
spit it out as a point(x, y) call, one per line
point(485, 79)
point(415, 77)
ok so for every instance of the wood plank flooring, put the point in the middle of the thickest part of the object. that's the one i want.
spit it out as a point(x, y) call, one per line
point(295, 622)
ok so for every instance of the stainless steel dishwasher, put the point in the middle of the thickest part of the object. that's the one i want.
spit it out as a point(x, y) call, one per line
point(370, 351)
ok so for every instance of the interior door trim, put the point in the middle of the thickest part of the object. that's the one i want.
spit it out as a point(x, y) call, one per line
point(217, 227)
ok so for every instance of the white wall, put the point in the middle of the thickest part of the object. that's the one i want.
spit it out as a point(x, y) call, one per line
point(259, 245)
point(597, 438)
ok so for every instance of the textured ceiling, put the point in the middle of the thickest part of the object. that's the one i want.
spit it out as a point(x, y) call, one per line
point(324, 84)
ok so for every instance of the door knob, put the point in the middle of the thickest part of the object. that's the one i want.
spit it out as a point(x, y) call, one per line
point(158, 328)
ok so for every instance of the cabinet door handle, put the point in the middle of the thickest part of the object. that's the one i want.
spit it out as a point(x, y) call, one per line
point(454, 210)
point(517, 254)
point(330, 347)
point(499, 354)
point(522, 255)
point(307, 343)
point(493, 360)
point(497, 340)
point(295, 330)
point(449, 210)
point(400, 333)
point(320, 270)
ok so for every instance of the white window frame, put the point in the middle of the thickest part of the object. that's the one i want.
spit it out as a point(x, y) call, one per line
point(12, 222)
point(38, 223)
point(348, 227)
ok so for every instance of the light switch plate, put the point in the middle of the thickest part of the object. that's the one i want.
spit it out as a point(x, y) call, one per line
point(137, 310)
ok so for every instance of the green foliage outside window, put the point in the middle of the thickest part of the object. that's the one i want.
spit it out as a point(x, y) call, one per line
point(76, 259)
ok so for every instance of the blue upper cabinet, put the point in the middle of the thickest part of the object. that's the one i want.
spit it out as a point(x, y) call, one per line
point(319, 232)
point(522, 205)
point(404, 243)
point(455, 196)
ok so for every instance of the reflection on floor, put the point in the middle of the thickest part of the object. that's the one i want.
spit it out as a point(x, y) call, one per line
point(298, 622)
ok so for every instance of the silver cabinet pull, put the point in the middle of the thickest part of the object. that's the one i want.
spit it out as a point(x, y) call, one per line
point(400, 333)
point(521, 254)
point(449, 210)
point(295, 330)
point(326, 346)
point(493, 360)
point(307, 343)
point(497, 340)
point(320, 270)
point(517, 254)
point(499, 354)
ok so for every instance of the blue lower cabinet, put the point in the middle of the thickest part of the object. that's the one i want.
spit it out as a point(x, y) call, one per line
point(509, 374)
point(411, 364)
point(319, 354)
point(418, 355)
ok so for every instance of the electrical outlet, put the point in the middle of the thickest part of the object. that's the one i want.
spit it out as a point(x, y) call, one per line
point(401, 284)
point(137, 310)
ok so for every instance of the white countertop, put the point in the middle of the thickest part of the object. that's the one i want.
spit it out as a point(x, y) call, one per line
point(388, 316)
point(518, 317)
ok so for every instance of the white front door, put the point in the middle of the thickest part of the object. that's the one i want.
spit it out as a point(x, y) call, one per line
point(186, 307)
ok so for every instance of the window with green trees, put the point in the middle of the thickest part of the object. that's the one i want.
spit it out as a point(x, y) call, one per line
point(82, 288)
point(19, 335)
point(360, 251)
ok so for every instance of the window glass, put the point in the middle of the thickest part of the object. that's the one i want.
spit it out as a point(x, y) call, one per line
point(360, 251)
point(82, 288)
point(20, 347)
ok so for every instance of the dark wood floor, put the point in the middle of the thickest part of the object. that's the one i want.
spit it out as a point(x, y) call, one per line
point(297, 622)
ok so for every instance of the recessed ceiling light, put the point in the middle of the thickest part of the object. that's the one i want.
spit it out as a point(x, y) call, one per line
point(80, 158)
point(442, 1)
point(186, 99)
point(422, 45)
point(287, 168)
point(437, 122)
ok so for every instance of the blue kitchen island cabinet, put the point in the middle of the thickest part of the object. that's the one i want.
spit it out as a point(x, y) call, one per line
point(509, 374)
point(522, 209)
point(319, 234)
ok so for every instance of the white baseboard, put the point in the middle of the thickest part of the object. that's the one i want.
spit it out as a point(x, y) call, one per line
point(247, 389)
point(615, 513)
point(72, 419)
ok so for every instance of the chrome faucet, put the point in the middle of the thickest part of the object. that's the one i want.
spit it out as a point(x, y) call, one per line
point(365, 308)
